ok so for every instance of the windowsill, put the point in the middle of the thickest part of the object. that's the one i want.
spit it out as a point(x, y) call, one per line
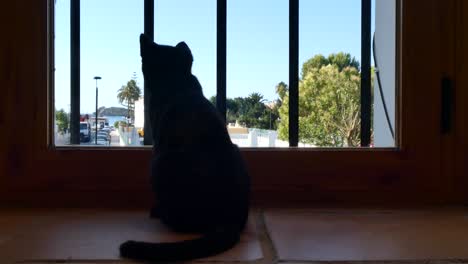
point(294, 235)
point(244, 149)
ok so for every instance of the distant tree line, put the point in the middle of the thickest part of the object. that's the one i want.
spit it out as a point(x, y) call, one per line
point(252, 111)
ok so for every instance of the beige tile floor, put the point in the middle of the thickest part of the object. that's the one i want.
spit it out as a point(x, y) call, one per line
point(95, 235)
point(435, 236)
point(368, 235)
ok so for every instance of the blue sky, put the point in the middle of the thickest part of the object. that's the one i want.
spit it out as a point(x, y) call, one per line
point(257, 42)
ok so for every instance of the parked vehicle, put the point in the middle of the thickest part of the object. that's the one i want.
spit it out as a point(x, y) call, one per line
point(103, 140)
point(85, 132)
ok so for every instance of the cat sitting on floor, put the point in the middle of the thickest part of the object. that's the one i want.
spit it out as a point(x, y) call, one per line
point(198, 176)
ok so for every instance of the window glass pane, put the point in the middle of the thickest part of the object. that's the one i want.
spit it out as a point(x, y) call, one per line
point(109, 49)
point(257, 72)
point(329, 80)
point(62, 72)
point(330, 68)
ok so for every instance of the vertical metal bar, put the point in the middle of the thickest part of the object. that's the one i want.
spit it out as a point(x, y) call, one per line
point(221, 28)
point(96, 120)
point(75, 71)
point(293, 73)
point(149, 32)
point(149, 19)
point(366, 73)
point(51, 73)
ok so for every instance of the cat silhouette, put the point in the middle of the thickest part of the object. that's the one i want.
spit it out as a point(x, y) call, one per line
point(199, 179)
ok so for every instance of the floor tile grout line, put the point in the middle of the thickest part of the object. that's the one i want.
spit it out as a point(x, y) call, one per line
point(264, 235)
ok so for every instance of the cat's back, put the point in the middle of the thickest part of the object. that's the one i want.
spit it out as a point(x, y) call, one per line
point(194, 121)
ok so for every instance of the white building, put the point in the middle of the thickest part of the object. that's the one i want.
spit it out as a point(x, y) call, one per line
point(385, 48)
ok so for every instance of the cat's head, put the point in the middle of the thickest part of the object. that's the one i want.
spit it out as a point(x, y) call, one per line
point(162, 60)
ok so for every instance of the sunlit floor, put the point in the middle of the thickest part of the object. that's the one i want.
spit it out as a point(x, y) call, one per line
point(273, 236)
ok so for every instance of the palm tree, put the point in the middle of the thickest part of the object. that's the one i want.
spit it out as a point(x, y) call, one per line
point(128, 94)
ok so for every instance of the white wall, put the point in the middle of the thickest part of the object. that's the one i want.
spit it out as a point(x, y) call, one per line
point(385, 39)
point(139, 113)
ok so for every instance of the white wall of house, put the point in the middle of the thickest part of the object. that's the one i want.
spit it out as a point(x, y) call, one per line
point(385, 39)
point(139, 113)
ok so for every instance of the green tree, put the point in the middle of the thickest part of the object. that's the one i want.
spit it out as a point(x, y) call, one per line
point(329, 102)
point(282, 90)
point(232, 108)
point(128, 94)
point(62, 120)
point(250, 111)
point(272, 115)
point(253, 111)
point(341, 60)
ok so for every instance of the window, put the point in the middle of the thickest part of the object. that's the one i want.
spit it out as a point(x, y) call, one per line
point(255, 91)
point(109, 77)
point(257, 66)
point(332, 72)
point(414, 171)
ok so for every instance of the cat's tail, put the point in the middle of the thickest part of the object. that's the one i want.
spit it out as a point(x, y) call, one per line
point(207, 245)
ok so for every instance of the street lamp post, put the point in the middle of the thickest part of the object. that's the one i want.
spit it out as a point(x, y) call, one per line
point(96, 118)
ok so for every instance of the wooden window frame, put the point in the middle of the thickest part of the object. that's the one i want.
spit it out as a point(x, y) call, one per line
point(460, 142)
point(34, 172)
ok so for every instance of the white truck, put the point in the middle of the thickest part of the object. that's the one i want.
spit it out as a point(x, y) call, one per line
point(85, 132)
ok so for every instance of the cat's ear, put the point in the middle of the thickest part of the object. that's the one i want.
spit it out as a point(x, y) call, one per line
point(187, 55)
point(145, 44)
point(184, 47)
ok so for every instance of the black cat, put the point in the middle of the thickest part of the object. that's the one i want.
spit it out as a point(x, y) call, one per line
point(199, 178)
